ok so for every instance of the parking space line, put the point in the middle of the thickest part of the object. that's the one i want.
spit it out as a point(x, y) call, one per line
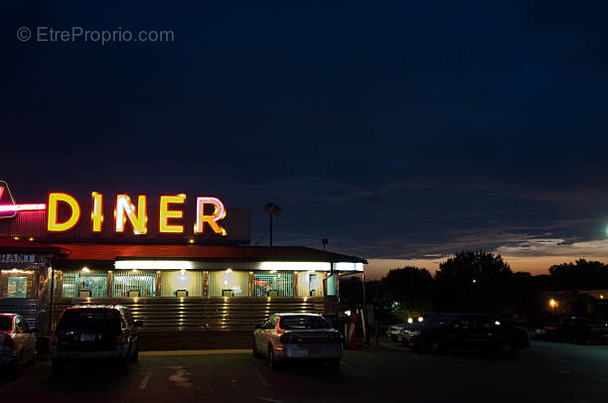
point(261, 378)
point(144, 382)
point(267, 399)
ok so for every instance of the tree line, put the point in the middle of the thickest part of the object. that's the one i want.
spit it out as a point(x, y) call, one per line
point(472, 281)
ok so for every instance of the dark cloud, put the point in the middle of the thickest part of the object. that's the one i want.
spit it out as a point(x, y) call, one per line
point(395, 130)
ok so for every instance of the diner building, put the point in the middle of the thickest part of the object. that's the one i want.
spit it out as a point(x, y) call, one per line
point(190, 269)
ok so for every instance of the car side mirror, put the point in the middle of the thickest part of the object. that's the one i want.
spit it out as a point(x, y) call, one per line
point(138, 323)
point(257, 326)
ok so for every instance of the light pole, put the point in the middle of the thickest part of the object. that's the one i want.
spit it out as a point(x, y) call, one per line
point(273, 210)
point(324, 241)
point(553, 304)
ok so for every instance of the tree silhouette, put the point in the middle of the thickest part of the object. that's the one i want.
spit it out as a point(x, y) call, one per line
point(474, 281)
point(412, 288)
point(582, 275)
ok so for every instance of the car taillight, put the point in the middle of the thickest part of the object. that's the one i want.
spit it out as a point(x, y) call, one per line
point(121, 339)
point(335, 338)
point(9, 342)
point(54, 339)
point(286, 338)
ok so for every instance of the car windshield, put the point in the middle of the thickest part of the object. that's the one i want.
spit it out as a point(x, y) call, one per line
point(6, 323)
point(303, 322)
point(89, 319)
point(440, 320)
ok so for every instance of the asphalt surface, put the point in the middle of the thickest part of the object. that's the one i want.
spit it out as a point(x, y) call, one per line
point(546, 372)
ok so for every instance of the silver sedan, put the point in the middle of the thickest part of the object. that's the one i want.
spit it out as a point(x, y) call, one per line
point(297, 337)
point(17, 342)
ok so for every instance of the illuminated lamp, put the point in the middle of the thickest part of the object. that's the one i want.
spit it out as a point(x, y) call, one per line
point(296, 266)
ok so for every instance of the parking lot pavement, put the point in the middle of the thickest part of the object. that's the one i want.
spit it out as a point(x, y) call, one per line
point(548, 372)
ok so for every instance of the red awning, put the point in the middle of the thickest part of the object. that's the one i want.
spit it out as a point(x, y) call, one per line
point(11, 245)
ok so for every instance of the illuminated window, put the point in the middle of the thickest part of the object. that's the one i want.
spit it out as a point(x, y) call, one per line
point(273, 285)
point(17, 287)
point(75, 283)
point(228, 283)
point(142, 282)
point(175, 282)
point(310, 284)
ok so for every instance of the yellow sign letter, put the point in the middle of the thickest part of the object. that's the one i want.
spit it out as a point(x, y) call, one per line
point(97, 211)
point(52, 224)
point(218, 214)
point(137, 217)
point(165, 214)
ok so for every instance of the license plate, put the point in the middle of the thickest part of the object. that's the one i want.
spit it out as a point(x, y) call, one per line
point(314, 353)
point(87, 337)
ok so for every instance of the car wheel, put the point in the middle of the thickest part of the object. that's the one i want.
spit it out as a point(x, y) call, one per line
point(135, 356)
point(506, 348)
point(274, 365)
point(124, 364)
point(334, 364)
point(254, 349)
point(16, 369)
point(434, 346)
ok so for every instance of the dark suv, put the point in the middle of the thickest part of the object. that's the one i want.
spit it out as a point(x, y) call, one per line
point(467, 331)
point(95, 332)
point(577, 330)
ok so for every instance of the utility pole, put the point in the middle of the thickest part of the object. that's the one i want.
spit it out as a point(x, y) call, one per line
point(273, 210)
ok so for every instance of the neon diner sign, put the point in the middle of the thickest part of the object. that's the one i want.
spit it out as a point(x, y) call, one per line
point(127, 213)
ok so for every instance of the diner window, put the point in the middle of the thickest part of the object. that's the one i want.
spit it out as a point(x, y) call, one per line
point(310, 284)
point(180, 283)
point(134, 284)
point(228, 283)
point(17, 283)
point(273, 285)
point(84, 284)
point(17, 287)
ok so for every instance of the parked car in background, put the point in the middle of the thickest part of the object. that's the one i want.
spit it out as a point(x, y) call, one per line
point(297, 337)
point(17, 342)
point(574, 329)
point(395, 332)
point(93, 332)
point(467, 331)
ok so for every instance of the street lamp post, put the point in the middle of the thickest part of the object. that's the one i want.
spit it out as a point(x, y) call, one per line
point(553, 304)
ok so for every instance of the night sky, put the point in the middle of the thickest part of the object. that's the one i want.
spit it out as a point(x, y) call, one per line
point(397, 130)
